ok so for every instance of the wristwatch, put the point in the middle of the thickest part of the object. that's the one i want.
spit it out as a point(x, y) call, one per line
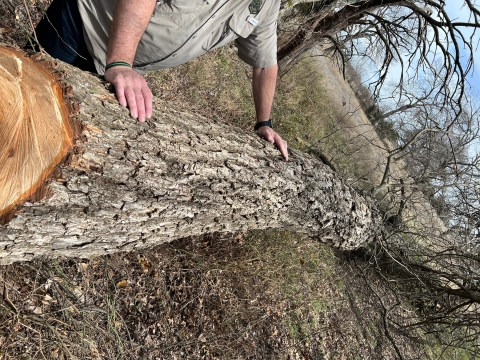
point(259, 124)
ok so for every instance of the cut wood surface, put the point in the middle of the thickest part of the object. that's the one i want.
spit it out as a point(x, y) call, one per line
point(34, 128)
point(129, 185)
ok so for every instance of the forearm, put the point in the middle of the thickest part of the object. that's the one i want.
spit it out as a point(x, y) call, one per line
point(129, 23)
point(263, 85)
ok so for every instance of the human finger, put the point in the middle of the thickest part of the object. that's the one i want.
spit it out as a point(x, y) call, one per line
point(120, 92)
point(282, 146)
point(148, 98)
point(271, 136)
point(131, 102)
point(116, 78)
point(140, 105)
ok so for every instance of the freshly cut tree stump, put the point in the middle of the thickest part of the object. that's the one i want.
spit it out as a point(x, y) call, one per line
point(34, 129)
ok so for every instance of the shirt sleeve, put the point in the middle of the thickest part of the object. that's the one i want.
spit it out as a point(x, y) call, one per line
point(259, 49)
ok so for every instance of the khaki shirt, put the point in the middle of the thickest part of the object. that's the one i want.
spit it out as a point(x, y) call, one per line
point(181, 30)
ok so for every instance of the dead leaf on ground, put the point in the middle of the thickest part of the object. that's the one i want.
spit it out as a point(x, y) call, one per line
point(122, 284)
point(82, 267)
point(37, 310)
point(145, 264)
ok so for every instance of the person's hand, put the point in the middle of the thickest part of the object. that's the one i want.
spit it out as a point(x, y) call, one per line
point(132, 91)
point(271, 136)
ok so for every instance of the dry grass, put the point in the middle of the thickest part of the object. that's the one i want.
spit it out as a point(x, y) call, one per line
point(216, 85)
point(265, 295)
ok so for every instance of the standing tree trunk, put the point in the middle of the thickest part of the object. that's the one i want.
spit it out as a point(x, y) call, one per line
point(128, 185)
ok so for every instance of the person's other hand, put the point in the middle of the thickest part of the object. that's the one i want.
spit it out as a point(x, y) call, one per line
point(132, 91)
point(271, 136)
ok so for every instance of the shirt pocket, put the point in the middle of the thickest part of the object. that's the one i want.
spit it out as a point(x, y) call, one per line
point(243, 23)
point(179, 6)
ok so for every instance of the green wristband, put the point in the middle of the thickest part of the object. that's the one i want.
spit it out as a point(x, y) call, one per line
point(117, 63)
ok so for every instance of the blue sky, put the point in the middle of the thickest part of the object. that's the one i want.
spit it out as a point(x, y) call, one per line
point(457, 13)
point(461, 13)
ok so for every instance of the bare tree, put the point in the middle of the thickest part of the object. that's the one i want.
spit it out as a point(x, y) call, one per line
point(408, 33)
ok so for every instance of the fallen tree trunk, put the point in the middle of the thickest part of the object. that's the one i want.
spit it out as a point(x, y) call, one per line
point(128, 185)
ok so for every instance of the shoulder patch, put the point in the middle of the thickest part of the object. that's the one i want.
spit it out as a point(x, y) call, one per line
point(255, 6)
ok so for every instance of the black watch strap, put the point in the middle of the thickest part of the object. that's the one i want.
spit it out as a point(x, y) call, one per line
point(259, 124)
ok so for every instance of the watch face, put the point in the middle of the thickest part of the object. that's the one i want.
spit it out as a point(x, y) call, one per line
point(255, 6)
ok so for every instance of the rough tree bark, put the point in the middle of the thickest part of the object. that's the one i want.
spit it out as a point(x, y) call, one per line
point(129, 185)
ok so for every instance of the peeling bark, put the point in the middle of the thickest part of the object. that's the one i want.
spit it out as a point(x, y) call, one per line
point(129, 185)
